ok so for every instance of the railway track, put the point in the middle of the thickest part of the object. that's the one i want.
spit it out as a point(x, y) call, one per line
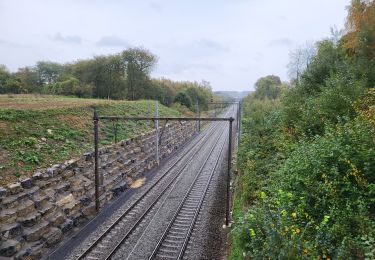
point(174, 240)
point(106, 245)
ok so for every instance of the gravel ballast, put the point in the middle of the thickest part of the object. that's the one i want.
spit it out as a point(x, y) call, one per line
point(208, 237)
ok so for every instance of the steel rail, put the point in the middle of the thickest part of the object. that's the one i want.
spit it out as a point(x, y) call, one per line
point(188, 193)
point(98, 240)
point(183, 248)
point(141, 218)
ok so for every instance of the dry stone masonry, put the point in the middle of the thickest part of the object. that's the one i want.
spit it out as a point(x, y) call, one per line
point(37, 212)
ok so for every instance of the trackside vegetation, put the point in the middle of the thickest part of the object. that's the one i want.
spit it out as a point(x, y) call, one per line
point(306, 182)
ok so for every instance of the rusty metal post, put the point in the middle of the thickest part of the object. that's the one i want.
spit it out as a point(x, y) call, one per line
point(157, 131)
point(96, 162)
point(199, 118)
point(239, 123)
point(229, 170)
point(116, 131)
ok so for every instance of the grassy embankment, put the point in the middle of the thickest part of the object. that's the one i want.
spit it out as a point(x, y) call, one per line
point(37, 131)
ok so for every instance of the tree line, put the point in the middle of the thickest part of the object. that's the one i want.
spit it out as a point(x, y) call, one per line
point(306, 182)
point(125, 76)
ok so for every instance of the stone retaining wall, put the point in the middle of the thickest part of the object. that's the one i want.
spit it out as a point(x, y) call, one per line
point(37, 212)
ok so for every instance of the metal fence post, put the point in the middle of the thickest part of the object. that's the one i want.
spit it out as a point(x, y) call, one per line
point(229, 170)
point(239, 123)
point(96, 163)
point(116, 131)
point(238, 116)
point(199, 118)
point(157, 130)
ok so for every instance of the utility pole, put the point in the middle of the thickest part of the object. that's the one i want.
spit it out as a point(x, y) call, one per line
point(157, 130)
point(199, 120)
point(239, 121)
point(228, 172)
point(96, 158)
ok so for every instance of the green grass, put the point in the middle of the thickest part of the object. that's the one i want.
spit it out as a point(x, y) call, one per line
point(36, 136)
point(235, 247)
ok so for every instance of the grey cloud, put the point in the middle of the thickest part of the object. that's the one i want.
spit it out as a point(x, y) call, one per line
point(179, 68)
point(210, 44)
point(112, 41)
point(258, 57)
point(67, 39)
point(12, 44)
point(281, 42)
point(156, 7)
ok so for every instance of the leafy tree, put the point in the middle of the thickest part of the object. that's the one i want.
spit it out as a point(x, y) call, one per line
point(29, 79)
point(359, 40)
point(325, 62)
point(125, 75)
point(138, 63)
point(184, 99)
point(360, 25)
point(162, 90)
point(104, 73)
point(268, 87)
point(9, 83)
point(199, 93)
point(49, 72)
point(70, 86)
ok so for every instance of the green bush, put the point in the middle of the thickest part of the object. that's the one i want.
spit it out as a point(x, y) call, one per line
point(321, 202)
point(306, 184)
point(184, 99)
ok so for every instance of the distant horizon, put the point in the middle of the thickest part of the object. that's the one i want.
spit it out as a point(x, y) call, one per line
point(230, 44)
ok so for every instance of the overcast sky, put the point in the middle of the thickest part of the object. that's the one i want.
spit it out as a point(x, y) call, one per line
point(230, 43)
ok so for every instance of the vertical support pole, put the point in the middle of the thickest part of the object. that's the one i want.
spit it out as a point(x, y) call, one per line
point(198, 115)
point(229, 170)
point(199, 118)
point(96, 162)
point(157, 130)
point(239, 123)
point(116, 131)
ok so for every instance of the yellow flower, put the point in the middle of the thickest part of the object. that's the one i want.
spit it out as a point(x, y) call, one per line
point(252, 232)
point(294, 215)
point(326, 219)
